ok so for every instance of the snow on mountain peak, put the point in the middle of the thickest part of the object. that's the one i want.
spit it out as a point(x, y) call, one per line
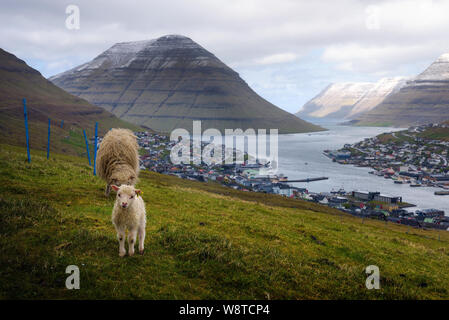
point(174, 37)
point(122, 54)
point(444, 57)
point(346, 99)
point(437, 71)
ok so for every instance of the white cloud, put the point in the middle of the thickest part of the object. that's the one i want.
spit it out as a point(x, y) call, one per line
point(376, 59)
point(357, 38)
point(277, 58)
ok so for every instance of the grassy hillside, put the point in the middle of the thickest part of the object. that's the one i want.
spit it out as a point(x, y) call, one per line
point(204, 241)
point(45, 100)
point(436, 134)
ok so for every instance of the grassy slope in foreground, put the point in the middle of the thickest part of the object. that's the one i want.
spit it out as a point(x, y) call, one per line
point(203, 242)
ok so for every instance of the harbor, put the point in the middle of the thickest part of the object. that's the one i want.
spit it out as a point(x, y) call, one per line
point(388, 206)
point(296, 150)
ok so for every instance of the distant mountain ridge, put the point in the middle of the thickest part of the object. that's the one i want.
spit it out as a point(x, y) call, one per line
point(44, 100)
point(424, 99)
point(346, 100)
point(168, 82)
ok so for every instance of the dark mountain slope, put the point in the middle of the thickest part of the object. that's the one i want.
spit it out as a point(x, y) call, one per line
point(45, 100)
point(423, 100)
point(168, 82)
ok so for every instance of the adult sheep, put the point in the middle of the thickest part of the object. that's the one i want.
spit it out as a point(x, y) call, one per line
point(118, 158)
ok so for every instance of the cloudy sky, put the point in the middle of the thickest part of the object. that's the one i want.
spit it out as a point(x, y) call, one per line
point(287, 51)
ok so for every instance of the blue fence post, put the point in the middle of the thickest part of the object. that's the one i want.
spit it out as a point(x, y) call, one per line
point(48, 140)
point(87, 146)
point(95, 148)
point(26, 128)
point(62, 123)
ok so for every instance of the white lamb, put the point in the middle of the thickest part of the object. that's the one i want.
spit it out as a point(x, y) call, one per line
point(129, 213)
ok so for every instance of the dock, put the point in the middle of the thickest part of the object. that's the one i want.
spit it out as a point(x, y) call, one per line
point(306, 180)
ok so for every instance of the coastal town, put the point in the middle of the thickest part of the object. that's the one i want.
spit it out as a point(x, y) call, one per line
point(405, 157)
point(155, 156)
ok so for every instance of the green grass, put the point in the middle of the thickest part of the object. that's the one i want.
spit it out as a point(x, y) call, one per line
point(430, 134)
point(435, 134)
point(44, 101)
point(203, 241)
point(365, 123)
point(67, 140)
point(397, 138)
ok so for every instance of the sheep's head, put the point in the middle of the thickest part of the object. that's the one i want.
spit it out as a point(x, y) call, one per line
point(126, 195)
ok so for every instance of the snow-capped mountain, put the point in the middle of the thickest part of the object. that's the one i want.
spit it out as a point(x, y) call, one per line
point(424, 99)
point(346, 99)
point(168, 82)
point(376, 94)
point(123, 54)
point(437, 71)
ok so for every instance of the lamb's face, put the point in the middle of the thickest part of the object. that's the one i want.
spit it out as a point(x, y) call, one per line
point(126, 195)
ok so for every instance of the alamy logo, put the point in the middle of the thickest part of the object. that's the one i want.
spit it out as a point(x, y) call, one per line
point(372, 21)
point(72, 22)
point(72, 281)
point(236, 147)
point(373, 280)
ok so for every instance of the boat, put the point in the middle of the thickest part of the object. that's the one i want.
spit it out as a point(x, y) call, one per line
point(414, 185)
point(398, 181)
point(441, 193)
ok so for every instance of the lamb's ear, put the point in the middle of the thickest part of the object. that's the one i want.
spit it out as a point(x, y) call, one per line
point(138, 191)
point(115, 187)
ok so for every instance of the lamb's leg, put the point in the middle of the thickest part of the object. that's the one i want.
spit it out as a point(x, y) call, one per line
point(131, 241)
point(121, 239)
point(108, 190)
point(141, 239)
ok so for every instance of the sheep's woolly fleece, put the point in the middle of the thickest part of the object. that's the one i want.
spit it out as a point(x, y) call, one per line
point(118, 158)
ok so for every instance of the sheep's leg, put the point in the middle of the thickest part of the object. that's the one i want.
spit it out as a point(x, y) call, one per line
point(121, 239)
point(108, 190)
point(131, 241)
point(141, 239)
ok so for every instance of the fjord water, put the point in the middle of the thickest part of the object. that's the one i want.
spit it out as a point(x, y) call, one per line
point(301, 156)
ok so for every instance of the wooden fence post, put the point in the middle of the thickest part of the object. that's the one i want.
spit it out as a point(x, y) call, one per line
point(87, 146)
point(26, 128)
point(95, 148)
point(48, 140)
